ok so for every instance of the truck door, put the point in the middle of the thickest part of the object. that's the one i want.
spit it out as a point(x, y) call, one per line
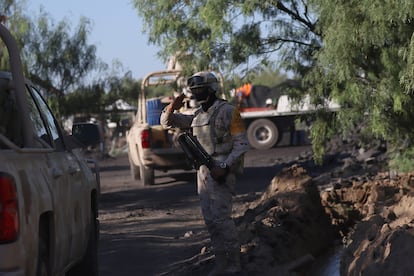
point(58, 187)
point(65, 174)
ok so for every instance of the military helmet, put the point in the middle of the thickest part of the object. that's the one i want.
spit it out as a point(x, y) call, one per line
point(203, 79)
point(202, 85)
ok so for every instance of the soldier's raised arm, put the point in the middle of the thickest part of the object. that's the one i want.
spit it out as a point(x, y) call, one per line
point(170, 118)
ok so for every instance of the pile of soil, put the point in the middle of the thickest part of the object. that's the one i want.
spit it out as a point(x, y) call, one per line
point(283, 230)
point(307, 209)
point(382, 241)
point(371, 208)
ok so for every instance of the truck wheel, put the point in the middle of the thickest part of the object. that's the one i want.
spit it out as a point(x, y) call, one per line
point(135, 173)
point(147, 175)
point(262, 134)
point(88, 266)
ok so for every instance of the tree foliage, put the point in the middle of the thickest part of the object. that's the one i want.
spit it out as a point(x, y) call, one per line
point(232, 34)
point(60, 60)
point(57, 59)
point(93, 98)
point(360, 53)
point(53, 57)
point(12, 15)
point(367, 64)
point(248, 37)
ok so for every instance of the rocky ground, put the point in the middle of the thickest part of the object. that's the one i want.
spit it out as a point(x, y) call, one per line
point(352, 202)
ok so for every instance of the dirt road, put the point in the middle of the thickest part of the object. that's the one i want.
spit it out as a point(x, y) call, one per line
point(145, 231)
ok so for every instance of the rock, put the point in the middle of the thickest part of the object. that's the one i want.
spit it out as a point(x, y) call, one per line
point(188, 234)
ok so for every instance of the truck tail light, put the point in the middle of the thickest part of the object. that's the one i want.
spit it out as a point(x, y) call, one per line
point(9, 213)
point(145, 138)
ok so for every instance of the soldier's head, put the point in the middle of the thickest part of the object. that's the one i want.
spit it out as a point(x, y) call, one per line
point(203, 86)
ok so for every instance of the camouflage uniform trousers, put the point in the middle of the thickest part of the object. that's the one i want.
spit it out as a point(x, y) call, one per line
point(216, 207)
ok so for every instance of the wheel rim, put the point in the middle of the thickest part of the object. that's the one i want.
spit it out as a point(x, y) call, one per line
point(263, 134)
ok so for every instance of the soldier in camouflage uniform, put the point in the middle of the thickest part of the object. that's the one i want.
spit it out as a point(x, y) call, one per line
point(220, 130)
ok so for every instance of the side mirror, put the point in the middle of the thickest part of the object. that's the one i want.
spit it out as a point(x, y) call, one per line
point(88, 134)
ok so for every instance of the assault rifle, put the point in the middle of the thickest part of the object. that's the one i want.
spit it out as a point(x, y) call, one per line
point(195, 151)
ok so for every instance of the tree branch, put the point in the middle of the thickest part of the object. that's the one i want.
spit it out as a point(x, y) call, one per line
point(295, 16)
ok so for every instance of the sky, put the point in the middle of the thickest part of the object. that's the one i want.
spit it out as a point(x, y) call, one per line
point(116, 30)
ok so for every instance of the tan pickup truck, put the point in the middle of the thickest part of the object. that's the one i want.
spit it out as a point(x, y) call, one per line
point(150, 147)
point(48, 193)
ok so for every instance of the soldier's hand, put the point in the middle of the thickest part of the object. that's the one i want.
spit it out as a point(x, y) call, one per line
point(218, 174)
point(178, 102)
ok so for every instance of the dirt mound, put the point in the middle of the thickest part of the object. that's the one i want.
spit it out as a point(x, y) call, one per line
point(281, 232)
point(306, 208)
point(286, 227)
point(371, 208)
point(382, 210)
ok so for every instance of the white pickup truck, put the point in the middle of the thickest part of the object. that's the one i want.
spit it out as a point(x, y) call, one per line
point(48, 193)
point(150, 146)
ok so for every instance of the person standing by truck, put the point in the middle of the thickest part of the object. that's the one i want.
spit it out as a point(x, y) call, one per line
point(243, 94)
point(220, 130)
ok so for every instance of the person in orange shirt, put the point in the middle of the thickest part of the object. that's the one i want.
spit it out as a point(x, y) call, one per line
point(242, 94)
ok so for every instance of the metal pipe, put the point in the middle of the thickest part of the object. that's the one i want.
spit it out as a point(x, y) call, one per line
point(18, 83)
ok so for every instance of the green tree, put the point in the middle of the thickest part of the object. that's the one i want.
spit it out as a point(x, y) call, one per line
point(53, 57)
point(93, 98)
point(269, 77)
point(248, 37)
point(360, 53)
point(88, 99)
point(60, 60)
point(122, 87)
point(12, 15)
point(227, 35)
point(57, 60)
point(367, 64)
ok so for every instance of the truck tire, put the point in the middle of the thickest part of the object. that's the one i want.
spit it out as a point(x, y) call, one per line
point(262, 134)
point(88, 266)
point(147, 175)
point(135, 172)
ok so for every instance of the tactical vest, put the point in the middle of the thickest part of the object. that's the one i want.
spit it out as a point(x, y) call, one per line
point(212, 132)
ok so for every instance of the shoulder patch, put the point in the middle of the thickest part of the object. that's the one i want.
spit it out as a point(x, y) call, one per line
point(236, 125)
